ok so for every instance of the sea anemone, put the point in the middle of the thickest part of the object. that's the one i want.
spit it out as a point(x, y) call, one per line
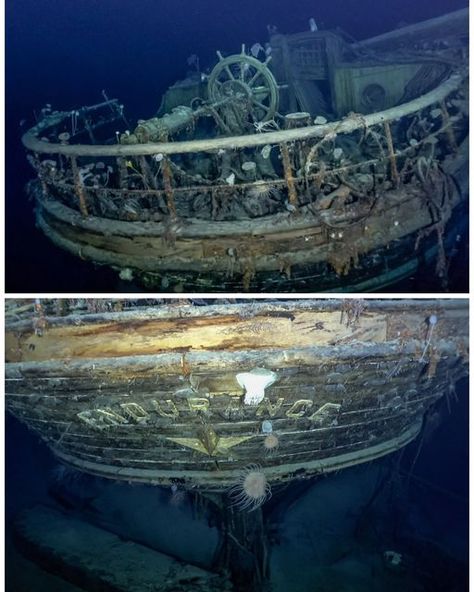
point(177, 497)
point(271, 443)
point(251, 490)
point(263, 190)
point(271, 440)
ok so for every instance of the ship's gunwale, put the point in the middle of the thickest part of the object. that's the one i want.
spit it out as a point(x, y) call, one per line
point(346, 125)
point(286, 304)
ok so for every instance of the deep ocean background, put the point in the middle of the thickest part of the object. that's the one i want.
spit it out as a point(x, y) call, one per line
point(65, 52)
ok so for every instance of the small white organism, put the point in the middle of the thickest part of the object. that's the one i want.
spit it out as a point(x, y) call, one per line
point(313, 27)
point(265, 151)
point(256, 49)
point(248, 165)
point(126, 274)
point(255, 383)
point(432, 322)
point(271, 443)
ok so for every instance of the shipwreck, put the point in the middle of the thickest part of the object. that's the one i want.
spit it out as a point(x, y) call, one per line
point(314, 164)
point(227, 403)
point(193, 393)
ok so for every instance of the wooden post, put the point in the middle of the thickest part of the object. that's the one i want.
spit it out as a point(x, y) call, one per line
point(89, 129)
point(44, 185)
point(123, 172)
point(449, 130)
point(244, 553)
point(289, 73)
point(79, 187)
point(391, 153)
point(166, 170)
point(147, 174)
point(290, 181)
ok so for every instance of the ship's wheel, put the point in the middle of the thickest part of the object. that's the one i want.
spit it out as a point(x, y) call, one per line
point(247, 80)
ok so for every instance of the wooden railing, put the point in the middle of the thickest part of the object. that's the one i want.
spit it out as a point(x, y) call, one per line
point(240, 177)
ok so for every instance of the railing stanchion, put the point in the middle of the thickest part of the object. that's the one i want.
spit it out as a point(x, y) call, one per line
point(79, 187)
point(290, 181)
point(391, 153)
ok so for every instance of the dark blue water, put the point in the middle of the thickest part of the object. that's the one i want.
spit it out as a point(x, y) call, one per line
point(65, 52)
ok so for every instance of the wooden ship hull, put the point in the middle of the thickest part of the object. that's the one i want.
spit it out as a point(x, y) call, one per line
point(166, 394)
point(241, 184)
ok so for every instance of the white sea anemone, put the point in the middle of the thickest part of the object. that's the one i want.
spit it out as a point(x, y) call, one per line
point(263, 190)
point(251, 490)
point(320, 120)
point(271, 443)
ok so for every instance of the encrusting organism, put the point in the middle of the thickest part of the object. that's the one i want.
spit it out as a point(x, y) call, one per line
point(271, 440)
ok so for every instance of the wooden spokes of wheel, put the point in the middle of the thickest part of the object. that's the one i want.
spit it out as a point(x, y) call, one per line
point(245, 79)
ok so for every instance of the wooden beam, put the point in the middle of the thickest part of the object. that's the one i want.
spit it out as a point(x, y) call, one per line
point(32, 142)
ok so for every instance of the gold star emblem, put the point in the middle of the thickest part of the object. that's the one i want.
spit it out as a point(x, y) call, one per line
point(208, 442)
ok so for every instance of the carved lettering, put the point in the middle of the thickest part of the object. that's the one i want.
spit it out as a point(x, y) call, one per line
point(198, 404)
point(233, 409)
point(88, 418)
point(267, 406)
point(171, 411)
point(101, 418)
point(135, 411)
point(111, 417)
point(299, 408)
point(326, 413)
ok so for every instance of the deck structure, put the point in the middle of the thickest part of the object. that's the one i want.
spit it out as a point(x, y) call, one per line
point(328, 166)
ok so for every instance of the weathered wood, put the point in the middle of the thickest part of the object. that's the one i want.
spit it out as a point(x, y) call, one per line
point(347, 379)
point(79, 187)
point(391, 153)
point(221, 479)
point(230, 332)
point(347, 125)
point(455, 22)
point(207, 227)
point(197, 249)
